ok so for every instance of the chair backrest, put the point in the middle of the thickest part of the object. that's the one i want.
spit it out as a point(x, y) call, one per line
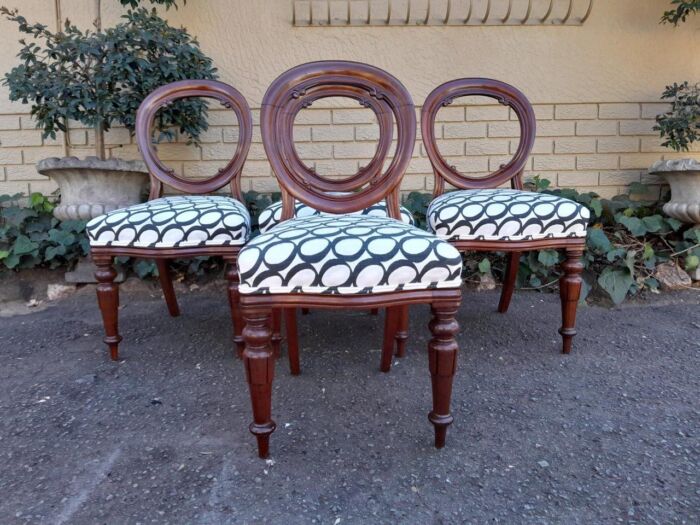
point(505, 94)
point(161, 174)
point(373, 88)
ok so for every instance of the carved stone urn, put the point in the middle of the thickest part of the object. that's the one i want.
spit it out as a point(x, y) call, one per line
point(684, 178)
point(91, 187)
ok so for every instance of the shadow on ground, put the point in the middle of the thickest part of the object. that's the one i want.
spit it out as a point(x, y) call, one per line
point(606, 434)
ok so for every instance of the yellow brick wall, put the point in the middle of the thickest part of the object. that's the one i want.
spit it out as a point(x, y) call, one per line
point(600, 147)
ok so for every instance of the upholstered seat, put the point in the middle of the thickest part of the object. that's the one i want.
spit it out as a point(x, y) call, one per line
point(272, 215)
point(505, 215)
point(171, 222)
point(349, 254)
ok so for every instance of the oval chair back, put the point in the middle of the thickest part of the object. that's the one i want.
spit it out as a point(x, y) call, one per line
point(161, 174)
point(373, 88)
point(505, 94)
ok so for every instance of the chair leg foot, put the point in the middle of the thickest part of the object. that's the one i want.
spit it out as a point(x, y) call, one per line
point(108, 300)
point(290, 327)
point(234, 302)
point(259, 362)
point(401, 331)
point(166, 284)
point(391, 320)
point(509, 281)
point(442, 358)
point(569, 292)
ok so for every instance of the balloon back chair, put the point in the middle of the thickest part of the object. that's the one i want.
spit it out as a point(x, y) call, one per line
point(189, 225)
point(353, 261)
point(483, 217)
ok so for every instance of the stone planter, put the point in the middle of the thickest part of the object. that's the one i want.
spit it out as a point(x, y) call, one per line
point(684, 178)
point(91, 187)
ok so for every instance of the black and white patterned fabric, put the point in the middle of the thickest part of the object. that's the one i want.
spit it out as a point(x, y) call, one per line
point(503, 214)
point(172, 222)
point(348, 254)
point(272, 215)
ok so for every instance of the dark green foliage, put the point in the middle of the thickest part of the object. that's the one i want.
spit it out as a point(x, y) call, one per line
point(30, 236)
point(135, 3)
point(103, 76)
point(680, 126)
point(682, 9)
point(627, 239)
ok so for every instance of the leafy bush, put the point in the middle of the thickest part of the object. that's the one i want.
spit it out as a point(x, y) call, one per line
point(680, 126)
point(30, 236)
point(627, 239)
point(100, 78)
point(682, 9)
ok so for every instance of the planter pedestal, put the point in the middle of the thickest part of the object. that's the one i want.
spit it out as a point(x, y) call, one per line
point(684, 178)
point(90, 188)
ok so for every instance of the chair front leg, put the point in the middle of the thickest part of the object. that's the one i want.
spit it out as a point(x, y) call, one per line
point(166, 284)
point(442, 356)
point(259, 362)
point(234, 302)
point(509, 281)
point(108, 299)
point(569, 292)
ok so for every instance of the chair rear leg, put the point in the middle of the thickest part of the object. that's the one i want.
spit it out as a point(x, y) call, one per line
point(509, 281)
point(569, 292)
point(259, 362)
point(290, 327)
point(401, 331)
point(391, 321)
point(234, 302)
point(276, 331)
point(108, 299)
point(166, 284)
point(442, 356)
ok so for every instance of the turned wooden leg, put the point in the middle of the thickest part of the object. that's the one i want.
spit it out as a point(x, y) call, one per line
point(259, 362)
point(391, 320)
point(290, 327)
point(401, 331)
point(509, 281)
point(276, 331)
point(108, 299)
point(166, 284)
point(442, 356)
point(570, 291)
point(234, 302)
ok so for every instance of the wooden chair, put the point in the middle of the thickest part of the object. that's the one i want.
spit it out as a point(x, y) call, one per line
point(348, 262)
point(480, 216)
point(179, 226)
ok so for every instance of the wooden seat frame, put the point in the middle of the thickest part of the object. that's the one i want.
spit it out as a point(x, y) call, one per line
point(160, 174)
point(505, 94)
point(386, 96)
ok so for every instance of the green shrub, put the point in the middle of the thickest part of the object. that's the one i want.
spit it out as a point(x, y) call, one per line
point(627, 239)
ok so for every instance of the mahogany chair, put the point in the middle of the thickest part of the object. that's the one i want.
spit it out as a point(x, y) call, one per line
point(179, 226)
point(482, 217)
point(347, 262)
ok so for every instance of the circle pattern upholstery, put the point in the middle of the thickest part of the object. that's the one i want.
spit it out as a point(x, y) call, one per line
point(172, 222)
point(347, 254)
point(272, 215)
point(505, 215)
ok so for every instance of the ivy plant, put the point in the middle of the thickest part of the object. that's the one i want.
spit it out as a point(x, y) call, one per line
point(135, 3)
point(100, 77)
point(627, 239)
